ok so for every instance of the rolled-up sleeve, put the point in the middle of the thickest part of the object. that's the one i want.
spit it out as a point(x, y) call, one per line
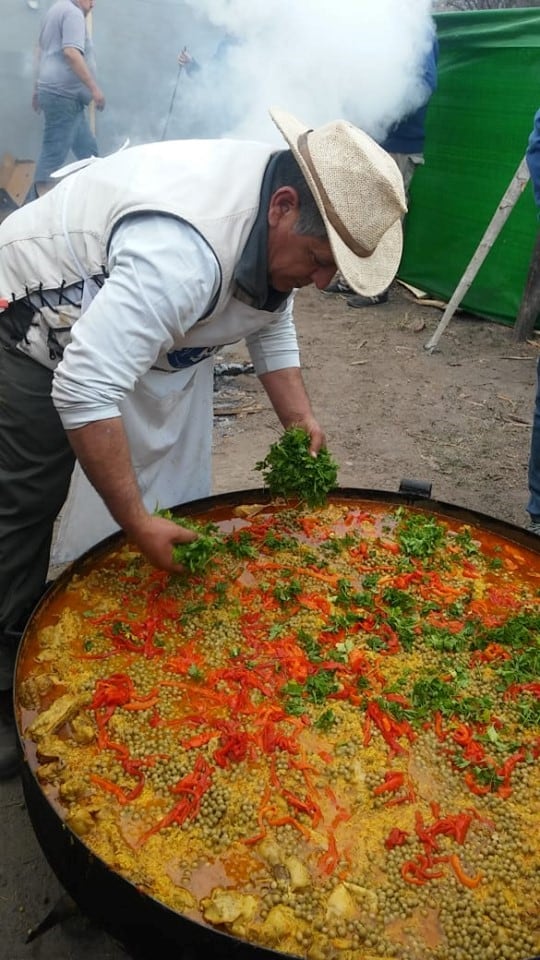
point(163, 277)
point(275, 347)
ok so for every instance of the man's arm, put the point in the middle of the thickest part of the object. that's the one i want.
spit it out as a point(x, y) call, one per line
point(78, 64)
point(162, 279)
point(289, 399)
point(103, 452)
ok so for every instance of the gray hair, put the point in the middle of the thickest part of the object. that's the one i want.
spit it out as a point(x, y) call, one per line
point(287, 173)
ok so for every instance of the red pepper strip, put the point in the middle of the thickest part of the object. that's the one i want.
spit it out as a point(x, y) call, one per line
point(249, 841)
point(233, 749)
point(115, 691)
point(392, 781)
point(198, 740)
point(282, 821)
point(304, 806)
point(493, 651)
point(396, 838)
point(408, 797)
point(272, 739)
point(367, 730)
point(462, 734)
point(193, 787)
point(342, 816)
point(411, 874)
point(475, 787)
point(328, 861)
point(463, 878)
point(117, 791)
point(141, 704)
point(390, 545)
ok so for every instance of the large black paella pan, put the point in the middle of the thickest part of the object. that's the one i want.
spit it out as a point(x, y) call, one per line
point(324, 745)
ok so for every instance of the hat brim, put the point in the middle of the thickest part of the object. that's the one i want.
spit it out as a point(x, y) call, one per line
point(367, 275)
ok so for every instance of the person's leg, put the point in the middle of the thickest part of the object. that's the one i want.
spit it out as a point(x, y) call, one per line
point(61, 117)
point(36, 462)
point(533, 506)
point(84, 142)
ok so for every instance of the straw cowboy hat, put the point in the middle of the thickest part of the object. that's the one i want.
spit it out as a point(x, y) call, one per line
point(359, 192)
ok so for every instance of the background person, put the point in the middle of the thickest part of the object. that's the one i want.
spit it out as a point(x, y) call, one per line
point(533, 506)
point(65, 85)
point(123, 281)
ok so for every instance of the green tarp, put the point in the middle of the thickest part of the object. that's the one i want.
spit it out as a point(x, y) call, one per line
point(479, 121)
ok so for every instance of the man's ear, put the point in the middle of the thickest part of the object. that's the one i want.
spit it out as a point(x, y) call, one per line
point(282, 202)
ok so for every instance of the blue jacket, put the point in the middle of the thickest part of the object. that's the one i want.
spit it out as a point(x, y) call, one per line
point(408, 135)
point(533, 157)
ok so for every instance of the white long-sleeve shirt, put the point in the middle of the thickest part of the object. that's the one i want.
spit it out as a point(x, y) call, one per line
point(163, 278)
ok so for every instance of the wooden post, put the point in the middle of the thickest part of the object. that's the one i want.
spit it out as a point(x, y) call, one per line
point(503, 211)
point(530, 303)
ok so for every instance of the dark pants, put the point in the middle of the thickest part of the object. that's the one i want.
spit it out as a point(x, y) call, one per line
point(36, 462)
point(66, 129)
point(533, 506)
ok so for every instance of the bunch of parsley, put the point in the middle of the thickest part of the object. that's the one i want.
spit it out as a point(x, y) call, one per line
point(289, 470)
point(197, 554)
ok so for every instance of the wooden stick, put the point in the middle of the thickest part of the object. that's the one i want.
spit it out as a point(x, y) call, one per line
point(91, 105)
point(503, 211)
point(530, 303)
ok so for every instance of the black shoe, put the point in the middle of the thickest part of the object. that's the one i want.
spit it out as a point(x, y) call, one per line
point(338, 287)
point(359, 301)
point(10, 756)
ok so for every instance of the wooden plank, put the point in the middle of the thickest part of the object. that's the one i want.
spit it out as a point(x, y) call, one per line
point(530, 303)
point(513, 192)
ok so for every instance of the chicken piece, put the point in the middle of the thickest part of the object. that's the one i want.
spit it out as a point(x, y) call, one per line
point(33, 688)
point(341, 905)
point(51, 749)
point(62, 710)
point(71, 789)
point(81, 821)
point(270, 852)
point(47, 772)
point(83, 730)
point(300, 877)
point(228, 906)
point(280, 926)
point(364, 897)
point(246, 510)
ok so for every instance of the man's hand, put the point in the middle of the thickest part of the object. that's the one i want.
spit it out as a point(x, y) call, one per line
point(35, 102)
point(156, 538)
point(289, 399)
point(184, 58)
point(316, 434)
point(99, 98)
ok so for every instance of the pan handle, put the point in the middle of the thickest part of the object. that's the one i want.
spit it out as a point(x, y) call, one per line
point(416, 488)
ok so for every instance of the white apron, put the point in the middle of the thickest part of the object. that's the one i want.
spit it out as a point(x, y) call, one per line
point(168, 421)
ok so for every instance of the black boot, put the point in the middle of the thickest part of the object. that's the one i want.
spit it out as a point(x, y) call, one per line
point(10, 756)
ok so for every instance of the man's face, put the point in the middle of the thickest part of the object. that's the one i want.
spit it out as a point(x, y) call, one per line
point(85, 5)
point(295, 260)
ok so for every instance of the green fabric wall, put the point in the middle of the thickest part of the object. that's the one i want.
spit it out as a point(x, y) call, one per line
point(478, 125)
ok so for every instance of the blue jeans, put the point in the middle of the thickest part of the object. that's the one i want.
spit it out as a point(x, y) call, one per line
point(533, 506)
point(66, 128)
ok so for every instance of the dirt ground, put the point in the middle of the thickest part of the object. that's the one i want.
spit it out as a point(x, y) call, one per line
point(459, 418)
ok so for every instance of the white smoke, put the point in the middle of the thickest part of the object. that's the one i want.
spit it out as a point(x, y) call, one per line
point(319, 59)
